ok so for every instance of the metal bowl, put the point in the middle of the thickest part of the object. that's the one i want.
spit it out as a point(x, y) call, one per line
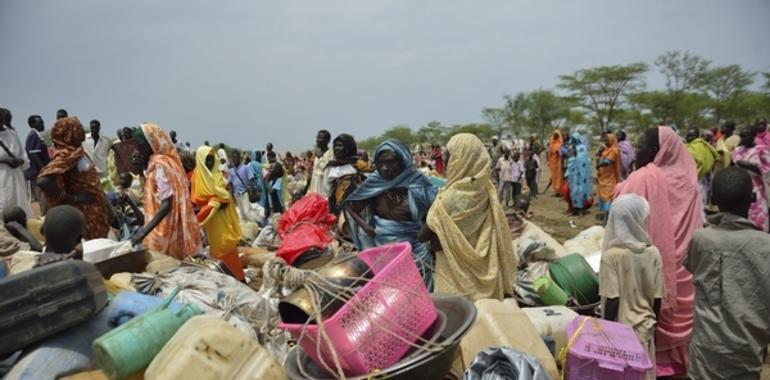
point(460, 314)
point(298, 306)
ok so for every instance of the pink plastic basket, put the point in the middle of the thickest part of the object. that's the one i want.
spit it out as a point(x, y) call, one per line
point(605, 350)
point(363, 331)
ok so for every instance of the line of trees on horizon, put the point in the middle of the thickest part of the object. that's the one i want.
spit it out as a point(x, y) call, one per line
point(697, 94)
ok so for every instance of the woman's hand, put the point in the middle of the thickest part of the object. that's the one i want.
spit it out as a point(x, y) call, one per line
point(13, 162)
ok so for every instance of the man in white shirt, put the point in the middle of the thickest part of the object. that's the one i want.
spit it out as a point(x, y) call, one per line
point(97, 148)
point(323, 155)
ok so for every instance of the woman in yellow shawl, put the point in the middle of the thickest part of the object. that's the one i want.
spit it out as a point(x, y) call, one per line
point(706, 160)
point(554, 161)
point(477, 258)
point(217, 213)
point(608, 169)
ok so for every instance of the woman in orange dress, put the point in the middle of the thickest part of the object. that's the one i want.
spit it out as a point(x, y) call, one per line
point(608, 169)
point(172, 228)
point(554, 160)
point(71, 178)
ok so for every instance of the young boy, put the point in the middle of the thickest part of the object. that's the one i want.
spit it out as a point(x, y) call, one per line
point(730, 264)
point(505, 186)
point(63, 229)
point(530, 173)
point(631, 272)
point(128, 216)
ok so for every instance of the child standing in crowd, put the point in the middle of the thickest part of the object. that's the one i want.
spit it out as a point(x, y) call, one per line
point(517, 170)
point(730, 263)
point(631, 272)
point(531, 168)
point(505, 188)
point(128, 215)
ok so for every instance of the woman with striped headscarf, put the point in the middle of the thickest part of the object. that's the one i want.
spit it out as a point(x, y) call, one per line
point(172, 228)
point(71, 178)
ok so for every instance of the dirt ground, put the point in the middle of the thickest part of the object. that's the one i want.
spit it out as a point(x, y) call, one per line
point(550, 212)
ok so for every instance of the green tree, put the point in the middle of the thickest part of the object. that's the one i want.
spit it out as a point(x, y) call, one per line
point(432, 133)
point(402, 133)
point(725, 84)
point(370, 144)
point(496, 118)
point(685, 73)
point(766, 86)
point(603, 90)
point(547, 110)
point(516, 112)
point(749, 106)
point(669, 108)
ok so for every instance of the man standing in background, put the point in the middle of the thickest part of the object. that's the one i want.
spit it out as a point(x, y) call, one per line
point(37, 152)
point(323, 155)
point(97, 148)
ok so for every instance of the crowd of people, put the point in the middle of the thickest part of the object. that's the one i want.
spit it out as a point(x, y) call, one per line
point(695, 296)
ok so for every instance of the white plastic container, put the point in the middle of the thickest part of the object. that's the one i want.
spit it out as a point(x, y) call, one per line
point(501, 324)
point(551, 321)
point(208, 348)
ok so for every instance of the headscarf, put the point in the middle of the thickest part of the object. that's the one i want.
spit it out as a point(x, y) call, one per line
point(178, 234)
point(467, 217)
point(256, 155)
point(670, 185)
point(208, 184)
point(627, 224)
point(349, 151)
point(68, 136)
point(705, 156)
point(256, 167)
point(554, 160)
point(409, 178)
point(609, 176)
point(421, 192)
point(627, 157)
point(579, 173)
point(725, 148)
point(223, 229)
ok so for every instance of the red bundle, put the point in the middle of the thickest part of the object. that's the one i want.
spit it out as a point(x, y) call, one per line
point(306, 224)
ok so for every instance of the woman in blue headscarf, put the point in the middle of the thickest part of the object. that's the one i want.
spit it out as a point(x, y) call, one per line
point(391, 205)
point(256, 166)
point(579, 175)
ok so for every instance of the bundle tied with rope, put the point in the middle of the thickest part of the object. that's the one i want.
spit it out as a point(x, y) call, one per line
point(371, 300)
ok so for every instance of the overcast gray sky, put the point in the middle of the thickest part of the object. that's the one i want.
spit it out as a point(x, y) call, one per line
point(248, 72)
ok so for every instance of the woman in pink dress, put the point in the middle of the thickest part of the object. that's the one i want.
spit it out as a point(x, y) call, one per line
point(755, 158)
point(668, 179)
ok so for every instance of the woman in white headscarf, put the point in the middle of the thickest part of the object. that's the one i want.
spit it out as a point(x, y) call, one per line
point(631, 273)
point(477, 257)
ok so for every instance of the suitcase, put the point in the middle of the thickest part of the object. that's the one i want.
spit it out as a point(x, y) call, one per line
point(44, 301)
